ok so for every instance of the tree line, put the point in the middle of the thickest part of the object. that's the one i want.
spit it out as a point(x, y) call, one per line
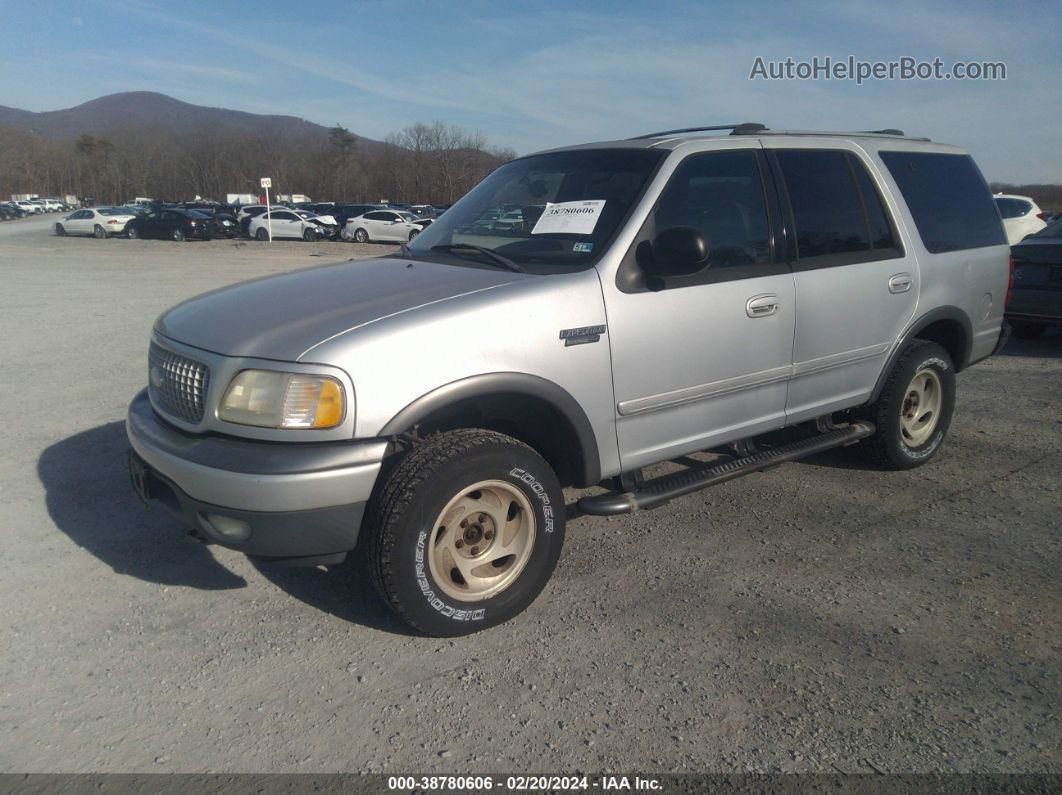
point(428, 163)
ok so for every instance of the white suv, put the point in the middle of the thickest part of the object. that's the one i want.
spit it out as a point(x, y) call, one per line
point(1021, 216)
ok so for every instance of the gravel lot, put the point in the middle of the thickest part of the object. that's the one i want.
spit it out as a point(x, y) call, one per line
point(817, 617)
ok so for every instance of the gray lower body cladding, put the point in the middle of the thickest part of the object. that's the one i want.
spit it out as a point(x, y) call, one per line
point(268, 499)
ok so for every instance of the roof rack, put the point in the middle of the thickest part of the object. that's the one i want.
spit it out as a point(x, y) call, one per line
point(745, 128)
point(753, 128)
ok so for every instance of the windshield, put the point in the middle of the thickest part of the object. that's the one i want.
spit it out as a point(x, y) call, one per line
point(588, 193)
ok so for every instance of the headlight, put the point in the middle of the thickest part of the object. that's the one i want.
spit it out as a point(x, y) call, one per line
point(270, 399)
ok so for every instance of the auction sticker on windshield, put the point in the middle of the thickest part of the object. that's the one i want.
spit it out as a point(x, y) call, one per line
point(572, 218)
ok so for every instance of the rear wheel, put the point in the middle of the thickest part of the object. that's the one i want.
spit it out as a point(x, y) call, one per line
point(59, 229)
point(99, 232)
point(361, 236)
point(914, 410)
point(261, 234)
point(178, 236)
point(465, 532)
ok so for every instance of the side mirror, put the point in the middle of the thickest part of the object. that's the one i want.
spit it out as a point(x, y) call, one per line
point(678, 251)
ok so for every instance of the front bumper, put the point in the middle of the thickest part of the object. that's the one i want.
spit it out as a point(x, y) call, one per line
point(299, 502)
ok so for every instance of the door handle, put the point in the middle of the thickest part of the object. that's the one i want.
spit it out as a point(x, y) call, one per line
point(900, 283)
point(762, 306)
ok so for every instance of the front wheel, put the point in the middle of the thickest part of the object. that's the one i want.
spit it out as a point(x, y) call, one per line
point(309, 236)
point(131, 233)
point(465, 532)
point(178, 236)
point(99, 232)
point(60, 230)
point(914, 410)
point(413, 234)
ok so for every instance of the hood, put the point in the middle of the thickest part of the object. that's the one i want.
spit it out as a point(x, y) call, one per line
point(281, 317)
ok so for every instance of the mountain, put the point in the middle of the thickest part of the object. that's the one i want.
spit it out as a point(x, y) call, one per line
point(150, 110)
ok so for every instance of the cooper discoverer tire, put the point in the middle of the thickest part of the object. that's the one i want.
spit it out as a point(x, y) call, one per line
point(464, 532)
point(914, 410)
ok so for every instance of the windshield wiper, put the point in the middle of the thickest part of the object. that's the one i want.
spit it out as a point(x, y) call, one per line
point(504, 262)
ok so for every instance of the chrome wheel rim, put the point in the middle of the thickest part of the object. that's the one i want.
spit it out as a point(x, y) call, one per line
point(920, 409)
point(481, 541)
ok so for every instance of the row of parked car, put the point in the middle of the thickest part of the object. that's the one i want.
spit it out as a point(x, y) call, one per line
point(362, 223)
point(20, 208)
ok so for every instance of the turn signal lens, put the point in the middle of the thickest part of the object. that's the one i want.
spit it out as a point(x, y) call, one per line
point(269, 399)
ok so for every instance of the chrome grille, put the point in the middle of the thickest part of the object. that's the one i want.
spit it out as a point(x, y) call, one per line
point(176, 384)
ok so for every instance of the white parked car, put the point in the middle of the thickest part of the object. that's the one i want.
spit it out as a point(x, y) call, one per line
point(99, 222)
point(285, 223)
point(381, 225)
point(1021, 216)
point(29, 207)
point(52, 205)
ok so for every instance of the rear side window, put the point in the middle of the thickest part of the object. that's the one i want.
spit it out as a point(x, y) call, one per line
point(948, 199)
point(827, 211)
point(1012, 208)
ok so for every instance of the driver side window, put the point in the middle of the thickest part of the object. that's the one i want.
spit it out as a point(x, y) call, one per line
point(721, 195)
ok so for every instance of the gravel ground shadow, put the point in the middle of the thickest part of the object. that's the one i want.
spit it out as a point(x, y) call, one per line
point(344, 590)
point(89, 498)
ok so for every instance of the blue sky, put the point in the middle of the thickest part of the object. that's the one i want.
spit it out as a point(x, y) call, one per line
point(534, 74)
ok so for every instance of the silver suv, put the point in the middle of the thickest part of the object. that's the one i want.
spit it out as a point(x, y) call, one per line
point(683, 291)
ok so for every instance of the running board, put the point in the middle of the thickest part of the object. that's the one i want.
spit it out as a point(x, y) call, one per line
point(681, 483)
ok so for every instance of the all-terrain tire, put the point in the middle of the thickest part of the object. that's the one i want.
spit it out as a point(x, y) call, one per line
point(896, 412)
point(402, 529)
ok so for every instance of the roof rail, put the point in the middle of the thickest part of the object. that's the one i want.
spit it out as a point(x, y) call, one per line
point(745, 128)
point(886, 131)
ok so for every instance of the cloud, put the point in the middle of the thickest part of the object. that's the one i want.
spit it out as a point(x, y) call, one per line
point(168, 68)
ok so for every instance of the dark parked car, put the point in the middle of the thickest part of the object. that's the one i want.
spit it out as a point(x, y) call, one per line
point(172, 223)
point(223, 215)
point(1036, 299)
point(10, 212)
